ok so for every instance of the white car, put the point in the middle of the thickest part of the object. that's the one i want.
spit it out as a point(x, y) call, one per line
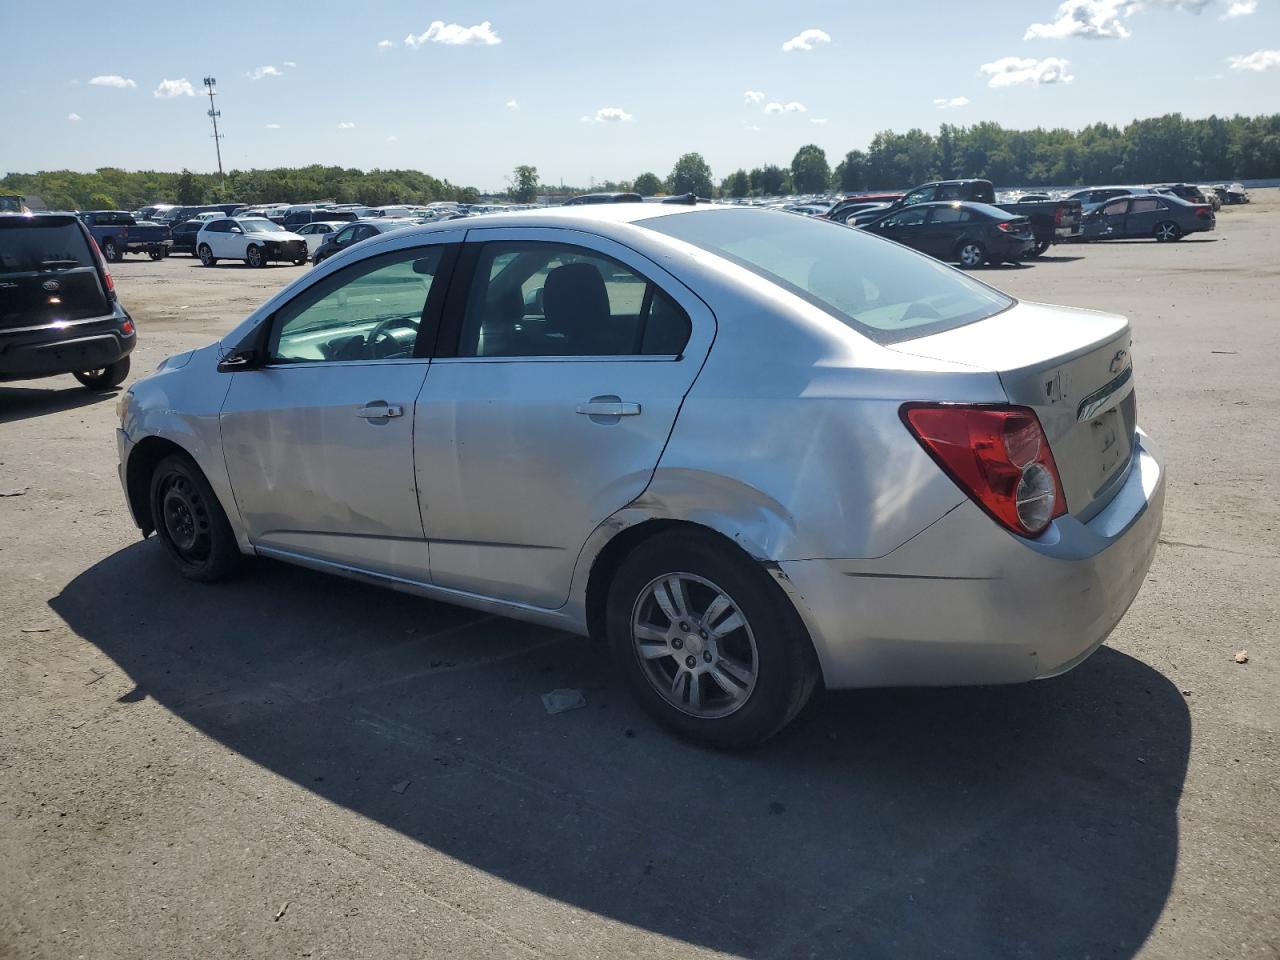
point(255, 240)
point(315, 233)
point(209, 215)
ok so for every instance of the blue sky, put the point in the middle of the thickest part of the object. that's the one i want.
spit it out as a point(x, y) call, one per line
point(584, 90)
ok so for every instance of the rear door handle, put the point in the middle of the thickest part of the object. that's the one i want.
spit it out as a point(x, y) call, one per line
point(380, 410)
point(609, 408)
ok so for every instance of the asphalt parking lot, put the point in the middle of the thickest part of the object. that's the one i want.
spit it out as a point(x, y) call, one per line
point(292, 765)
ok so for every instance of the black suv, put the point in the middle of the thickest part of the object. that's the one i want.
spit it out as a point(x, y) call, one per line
point(58, 306)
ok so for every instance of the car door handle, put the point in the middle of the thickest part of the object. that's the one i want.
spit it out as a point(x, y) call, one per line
point(380, 410)
point(609, 408)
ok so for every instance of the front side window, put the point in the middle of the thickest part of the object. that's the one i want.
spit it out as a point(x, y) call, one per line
point(1114, 209)
point(344, 237)
point(949, 215)
point(370, 311)
point(907, 218)
point(882, 290)
point(535, 299)
point(923, 195)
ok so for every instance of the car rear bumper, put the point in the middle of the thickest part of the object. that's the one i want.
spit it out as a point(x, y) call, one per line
point(964, 602)
point(51, 350)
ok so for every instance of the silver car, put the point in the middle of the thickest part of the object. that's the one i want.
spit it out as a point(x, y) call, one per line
point(753, 452)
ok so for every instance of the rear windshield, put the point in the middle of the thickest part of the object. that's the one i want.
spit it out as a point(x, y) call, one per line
point(34, 245)
point(882, 290)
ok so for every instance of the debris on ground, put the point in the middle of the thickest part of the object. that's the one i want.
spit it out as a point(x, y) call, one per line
point(97, 675)
point(283, 907)
point(1242, 656)
point(34, 629)
point(402, 786)
point(558, 701)
point(14, 493)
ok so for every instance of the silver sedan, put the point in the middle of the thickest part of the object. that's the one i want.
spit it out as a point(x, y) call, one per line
point(753, 452)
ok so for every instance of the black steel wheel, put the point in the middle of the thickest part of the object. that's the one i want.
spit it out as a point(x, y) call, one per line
point(190, 522)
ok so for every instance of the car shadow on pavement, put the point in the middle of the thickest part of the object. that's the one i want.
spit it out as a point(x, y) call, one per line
point(24, 403)
point(1031, 821)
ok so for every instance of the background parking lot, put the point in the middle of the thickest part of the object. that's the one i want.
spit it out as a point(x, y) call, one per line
point(292, 765)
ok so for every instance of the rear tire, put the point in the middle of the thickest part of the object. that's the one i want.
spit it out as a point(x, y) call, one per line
point(1040, 249)
point(1167, 231)
point(105, 378)
point(970, 254)
point(732, 665)
point(191, 523)
point(111, 250)
point(206, 256)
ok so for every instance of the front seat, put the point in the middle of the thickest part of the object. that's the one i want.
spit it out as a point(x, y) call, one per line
point(576, 306)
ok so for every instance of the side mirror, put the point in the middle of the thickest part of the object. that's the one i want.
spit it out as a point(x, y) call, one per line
point(240, 360)
point(235, 230)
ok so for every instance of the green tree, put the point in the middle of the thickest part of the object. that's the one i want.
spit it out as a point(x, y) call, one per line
point(100, 201)
point(769, 180)
point(647, 184)
point(524, 184)
point(809, 170)
point(737, 184)
point(691, 175)
point(189, 192)
point(851, 172)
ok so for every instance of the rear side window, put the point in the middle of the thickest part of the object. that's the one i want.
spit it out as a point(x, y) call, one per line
point(535, 299)
point(1145, 205)
point(884, 291)
point(923, 195)
point(949, 215)
point(35, 245)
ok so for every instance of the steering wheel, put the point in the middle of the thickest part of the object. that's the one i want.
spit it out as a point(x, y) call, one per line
point(382, 344)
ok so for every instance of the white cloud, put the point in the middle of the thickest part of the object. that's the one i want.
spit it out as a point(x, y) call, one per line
point(393, 139)
point(1092, 19)
point(73, 83)
point(112, 80)
point(607, 115)
point(1257, 61)
point(174, 88)
point(774, 107)
point(290, 64)
point(385, 44)
point(1012, 71)
point(455, 35)
point(752, 96)
point(951, 103)
point(1241, 8)
point(805, 39)
point(345, 125)
point(512, 104)
point(268, 71)
point(272, 126)
point(754, 128)
point(73, 117)
point(820, 121)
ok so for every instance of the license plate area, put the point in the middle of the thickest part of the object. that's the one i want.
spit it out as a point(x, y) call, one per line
point(1112, 442)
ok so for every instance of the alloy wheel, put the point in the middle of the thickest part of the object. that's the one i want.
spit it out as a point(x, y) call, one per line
point(1167, 231)
point(695, 645)
point(970, 255)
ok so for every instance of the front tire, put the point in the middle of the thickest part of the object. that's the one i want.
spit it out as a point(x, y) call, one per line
point(970, 254)
point(191, 523)
point(254, 257)
point(104, 378)
point(707, 641)
point(206, 256)
point(1167, 231)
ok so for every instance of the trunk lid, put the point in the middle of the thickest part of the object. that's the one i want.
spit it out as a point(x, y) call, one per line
point(47, 273)
point(1073, 368)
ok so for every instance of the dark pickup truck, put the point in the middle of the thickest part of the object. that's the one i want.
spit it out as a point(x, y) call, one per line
point(1052, 221)
point(117, 233)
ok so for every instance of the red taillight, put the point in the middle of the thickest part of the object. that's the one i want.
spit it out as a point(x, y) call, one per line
point(1057, 216)
point(1006, 226)
point(106, 272)
point(1204, 213)
point(998, 455)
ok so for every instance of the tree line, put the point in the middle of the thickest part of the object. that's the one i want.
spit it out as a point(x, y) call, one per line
point(1158, 149)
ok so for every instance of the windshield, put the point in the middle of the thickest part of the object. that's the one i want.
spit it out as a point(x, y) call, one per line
point(261, 226)
point(884, 291)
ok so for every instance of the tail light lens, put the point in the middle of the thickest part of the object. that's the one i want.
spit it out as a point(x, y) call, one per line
point(1204, 213)
point(1007, 226)
point(1057, 216)
point(998, 455)
point(105, 271)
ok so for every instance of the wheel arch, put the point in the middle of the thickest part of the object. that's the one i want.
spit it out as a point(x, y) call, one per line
point(143, 458)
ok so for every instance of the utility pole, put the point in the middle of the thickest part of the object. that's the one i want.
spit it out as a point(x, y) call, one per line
point(214, 114)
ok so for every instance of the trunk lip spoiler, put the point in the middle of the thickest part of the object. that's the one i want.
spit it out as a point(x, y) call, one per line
point(1101, 399)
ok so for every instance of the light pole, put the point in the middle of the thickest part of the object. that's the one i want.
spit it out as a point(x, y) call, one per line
point(214, 114)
